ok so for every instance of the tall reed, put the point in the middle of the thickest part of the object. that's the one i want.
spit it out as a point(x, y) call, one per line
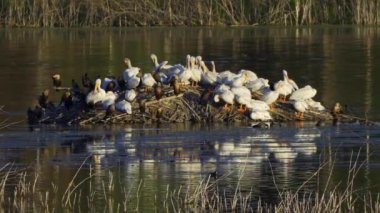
point(70, 13)
point(19, 192)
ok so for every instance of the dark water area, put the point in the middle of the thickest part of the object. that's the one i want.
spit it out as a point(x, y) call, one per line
point(340, 62)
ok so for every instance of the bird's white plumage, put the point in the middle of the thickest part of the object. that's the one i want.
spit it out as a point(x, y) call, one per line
point(148, 80)
point(303, 93)
point(250, 75)
point(130, 71)
point(130, 95)
point(133, 82)
point(300, 106)
point(97, 94)
point(124, 106)
point(260, 115)
point(257, 84)
point(257, 105)
point(269, 96)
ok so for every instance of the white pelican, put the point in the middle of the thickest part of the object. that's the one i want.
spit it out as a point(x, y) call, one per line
point(133, 82)
point(57, 80)
point(170, 70)
point(198, 60)
point(106, 81)
point(242, 96)
point(185, 74)
point(196, 71)
point(148, 81)
point(269, 96)
point(315, 105)
point(257, 105)
point(290, 81)
point(226, 77)
point(124, 106)
point(283, 88)
point(109, 99)
point(226, 95)
point(304, 93)
point(208, 77)
point(157, 66)
point(239, 80)
point(130, 95)
point(97, 94)
point(257, 84)
point(301, 106)
point(260, 115)
point(251, 76)
point(130, 71)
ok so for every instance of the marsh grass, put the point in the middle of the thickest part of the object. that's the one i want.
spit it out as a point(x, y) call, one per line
point(19, 192)
point(70, 13)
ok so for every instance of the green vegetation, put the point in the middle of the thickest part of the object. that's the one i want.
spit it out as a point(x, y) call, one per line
point(74, 13)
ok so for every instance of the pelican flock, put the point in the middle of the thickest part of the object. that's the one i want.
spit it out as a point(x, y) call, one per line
point(241, 91)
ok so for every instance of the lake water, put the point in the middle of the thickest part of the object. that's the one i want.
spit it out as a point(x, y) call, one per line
point(340, 62)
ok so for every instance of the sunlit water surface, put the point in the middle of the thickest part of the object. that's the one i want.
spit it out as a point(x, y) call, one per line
point(338, 61)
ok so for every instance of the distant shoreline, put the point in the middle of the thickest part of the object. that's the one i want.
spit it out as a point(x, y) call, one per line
point(115, 13)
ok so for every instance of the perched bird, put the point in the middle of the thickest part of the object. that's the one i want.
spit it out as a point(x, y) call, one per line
point(205, 96)
point(142, 106)
point(110, 111)
point(110, 87)
point(208, 78)
point(300, 106)
point(290, 81)
point(87, 82)
point(242, 96)
point(75, 86)
point(124, 106)
point(97, 94)
point(56, 80)
point(67, 100)
point(196, 71)
point(270, 95)
point(148, 82)
point(175, 84)
point(43, 99)
point(250, 75)
point(224, 93)
point(130, 95)
point(257, 84)
point(304, 93)
point(260, 115)
point(158, 92)
point(110, 84)
point(131, 71)
point(134, 82)
point(257, 105)
point(315, 105)
point(109, 99)
point(337, 109)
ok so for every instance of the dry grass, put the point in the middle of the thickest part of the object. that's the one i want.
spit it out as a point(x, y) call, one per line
point(69, 13)
point(20, 193)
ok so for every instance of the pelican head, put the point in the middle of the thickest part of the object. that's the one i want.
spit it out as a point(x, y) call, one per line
point(127, 61)
point(192, 61)
point(199, 59)
point(213, 66)
point(285, 74)
point(203, 65)
point(98, 82)
point(154, 59)
point(56, 77)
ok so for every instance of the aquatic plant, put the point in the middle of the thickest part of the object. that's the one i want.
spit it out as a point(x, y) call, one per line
point(20, 192)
